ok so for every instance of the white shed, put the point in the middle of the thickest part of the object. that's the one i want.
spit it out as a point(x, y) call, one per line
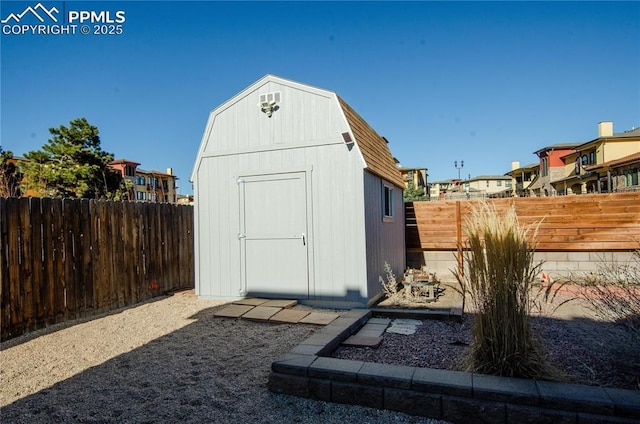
point(296, 197)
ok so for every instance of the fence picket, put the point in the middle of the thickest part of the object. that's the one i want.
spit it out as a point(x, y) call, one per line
point(26, 265)
point(5, 287)
point(85, 257)
point(38, 266)
point(14, 248)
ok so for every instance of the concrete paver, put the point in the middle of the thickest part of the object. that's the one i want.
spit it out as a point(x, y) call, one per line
point(279, 303)
point(252, 301)
point(363, 341)
point(289, 315)
point(373, 330)
point(261, 313)
point(319, 318)
point(233, 311)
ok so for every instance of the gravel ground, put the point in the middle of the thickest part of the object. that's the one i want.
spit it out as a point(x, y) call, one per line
point(164, 361)
point(585, 349)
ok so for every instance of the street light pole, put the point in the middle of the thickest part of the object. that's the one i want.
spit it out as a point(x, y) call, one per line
point(455, 164)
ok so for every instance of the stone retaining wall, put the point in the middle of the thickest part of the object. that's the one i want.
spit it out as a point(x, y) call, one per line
point(453, 396)
point(557, 264)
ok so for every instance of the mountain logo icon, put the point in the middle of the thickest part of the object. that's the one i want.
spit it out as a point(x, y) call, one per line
point(38, 11)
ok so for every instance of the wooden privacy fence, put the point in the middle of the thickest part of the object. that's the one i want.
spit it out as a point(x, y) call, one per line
point(63, 259)
point(597, 222)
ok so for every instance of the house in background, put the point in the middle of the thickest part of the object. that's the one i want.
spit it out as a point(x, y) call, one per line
point(148, 186)
point(297, 197)
point(489, 186)
point(479, 187)
point(583, 170)
point(552, 168)
point(438, 190)
point(415, 177)
point(185, 199)
point(522, 177)
point(623, 173)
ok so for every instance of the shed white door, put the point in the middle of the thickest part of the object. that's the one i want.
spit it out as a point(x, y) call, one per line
point(273, 239)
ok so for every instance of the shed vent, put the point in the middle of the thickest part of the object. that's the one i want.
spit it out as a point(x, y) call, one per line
point(269, 102)
point(270, 97)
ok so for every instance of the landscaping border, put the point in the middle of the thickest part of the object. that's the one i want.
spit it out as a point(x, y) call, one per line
point(454, 396)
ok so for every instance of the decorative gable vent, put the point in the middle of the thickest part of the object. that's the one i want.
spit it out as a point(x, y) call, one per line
point(269, 102)
point(268, 97)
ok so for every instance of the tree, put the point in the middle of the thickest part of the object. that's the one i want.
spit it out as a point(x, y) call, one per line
point(9, 175)
point(413, 193)
point(72, 164)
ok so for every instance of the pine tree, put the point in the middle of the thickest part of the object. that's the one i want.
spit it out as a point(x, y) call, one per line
point(9, 175)
point(72, 164)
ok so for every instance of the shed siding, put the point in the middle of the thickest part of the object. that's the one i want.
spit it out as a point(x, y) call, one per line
point(385, 240)
point(302, 117)
point(333, 232)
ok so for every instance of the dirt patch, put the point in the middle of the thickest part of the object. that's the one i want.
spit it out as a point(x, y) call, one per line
point(169, 360)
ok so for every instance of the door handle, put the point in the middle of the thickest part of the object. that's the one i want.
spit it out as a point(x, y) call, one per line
point(304, 239)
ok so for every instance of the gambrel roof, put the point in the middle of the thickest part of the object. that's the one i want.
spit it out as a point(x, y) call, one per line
point(374, 148)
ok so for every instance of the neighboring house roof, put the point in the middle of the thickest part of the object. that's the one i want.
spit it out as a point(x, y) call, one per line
point(154, 172)
point(490, 177)
point(558, 146)
point(375, 151)
point(125, 161)
point(531, 166)
point(635, 132)
point(629, 159)
point(402, 168)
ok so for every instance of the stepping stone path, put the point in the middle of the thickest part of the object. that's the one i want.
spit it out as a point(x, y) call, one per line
point(274, 310)
point(234, 311)
point(370, 335)
point(404, 326)
point(261, 313)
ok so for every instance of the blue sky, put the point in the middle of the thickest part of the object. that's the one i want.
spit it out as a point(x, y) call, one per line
point(483, 82)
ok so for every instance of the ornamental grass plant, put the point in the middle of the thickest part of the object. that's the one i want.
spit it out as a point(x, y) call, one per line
point(500, 279)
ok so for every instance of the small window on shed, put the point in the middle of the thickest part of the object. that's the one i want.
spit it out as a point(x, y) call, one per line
point(387, 201)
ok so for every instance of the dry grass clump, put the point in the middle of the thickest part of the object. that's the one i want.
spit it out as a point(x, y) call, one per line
point(403, 294)
point(500, 278)
point(390, 285)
